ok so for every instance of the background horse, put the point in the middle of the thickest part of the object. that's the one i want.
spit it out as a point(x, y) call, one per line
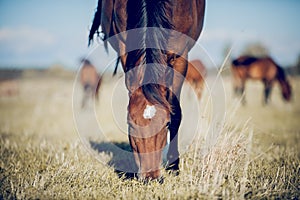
point(153, 47)
point(264, 69)
point(195, 76)
point(90, 81)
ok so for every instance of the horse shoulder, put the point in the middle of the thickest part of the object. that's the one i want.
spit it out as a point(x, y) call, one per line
point(188, 18)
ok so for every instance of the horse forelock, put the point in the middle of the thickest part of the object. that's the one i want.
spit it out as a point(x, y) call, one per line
point(102, 21)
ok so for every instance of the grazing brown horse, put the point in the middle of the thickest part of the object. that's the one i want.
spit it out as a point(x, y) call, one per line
point(90, 81)
point(265, 69)
point(9, 88)
point(195, 76)
point(152, 39)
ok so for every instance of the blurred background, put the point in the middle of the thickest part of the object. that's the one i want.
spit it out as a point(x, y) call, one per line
point(43, 42)
point(43, 34)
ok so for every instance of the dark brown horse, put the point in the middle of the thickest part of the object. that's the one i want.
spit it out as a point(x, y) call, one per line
point(264, 69)
point(152, 39)
point(195, 76)
point(90, 81)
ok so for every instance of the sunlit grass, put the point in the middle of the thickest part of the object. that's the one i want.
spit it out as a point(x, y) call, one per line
point(255, 156)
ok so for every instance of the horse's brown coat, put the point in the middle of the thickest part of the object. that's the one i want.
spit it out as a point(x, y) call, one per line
point(90, 80)
point(195, 76)
point(170, 50)
point(264, 69)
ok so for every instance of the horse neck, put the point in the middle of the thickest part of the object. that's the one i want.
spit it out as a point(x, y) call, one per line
point(283, 81)
point(281, 77)
point(151, 14)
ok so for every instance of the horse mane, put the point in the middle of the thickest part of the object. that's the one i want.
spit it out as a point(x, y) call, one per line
point(244, 60)
point(143, 14)
point(282, 79)
point(116, 66)
point(281, 76)
point(97, 23)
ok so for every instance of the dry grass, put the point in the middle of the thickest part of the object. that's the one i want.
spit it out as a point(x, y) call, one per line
point(42, 156)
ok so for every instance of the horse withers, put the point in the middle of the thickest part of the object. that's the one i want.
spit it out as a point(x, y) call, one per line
point(152, 39)
point(90, 81)
point(264, 69)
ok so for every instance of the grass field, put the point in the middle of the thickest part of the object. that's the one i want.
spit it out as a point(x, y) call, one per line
point(256, 154)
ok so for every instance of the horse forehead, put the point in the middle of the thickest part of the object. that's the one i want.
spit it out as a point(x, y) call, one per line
point(145, 110)
point(149, 112)
point(144, 116)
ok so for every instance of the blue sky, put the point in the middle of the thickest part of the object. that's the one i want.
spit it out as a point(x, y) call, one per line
point(274, 23)
point(44, 32)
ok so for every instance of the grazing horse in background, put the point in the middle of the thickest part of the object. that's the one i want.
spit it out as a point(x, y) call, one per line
point(9, 88)
point(151, 39)
point(195, 76)
point(90, 81)
point(264, 69)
